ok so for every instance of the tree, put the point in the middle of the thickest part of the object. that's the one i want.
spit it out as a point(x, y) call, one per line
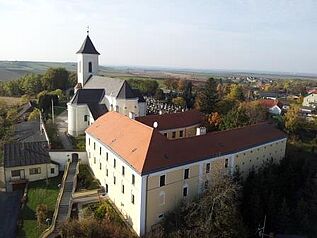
point(171, 84)
point(41, 213)
point(159, 94)
point(55, 78)
point(187, 94)
point(45, 101)
point(236, 92)
point(214, 214)
point(12, 88)
point(292, 119)
point(179, 101)
point(214, 120)
point(207, 97)
point(32, 84)
point(34, 115)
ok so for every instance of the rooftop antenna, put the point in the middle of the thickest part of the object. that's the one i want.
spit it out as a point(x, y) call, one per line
point(87, 30)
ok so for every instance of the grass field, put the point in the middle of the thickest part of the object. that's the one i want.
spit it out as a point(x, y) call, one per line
point(11, 101)
point(39, 193)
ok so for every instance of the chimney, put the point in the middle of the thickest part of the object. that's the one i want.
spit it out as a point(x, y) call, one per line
point(131, 115)
point(201, 131)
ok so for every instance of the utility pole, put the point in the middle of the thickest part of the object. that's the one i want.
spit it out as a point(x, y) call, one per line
point(264, 226)
point(52, 110)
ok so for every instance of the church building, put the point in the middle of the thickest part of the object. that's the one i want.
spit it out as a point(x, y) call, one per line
point(96, 94)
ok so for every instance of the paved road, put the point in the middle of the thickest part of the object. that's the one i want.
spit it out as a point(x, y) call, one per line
point(66, 199)
point(61, 123)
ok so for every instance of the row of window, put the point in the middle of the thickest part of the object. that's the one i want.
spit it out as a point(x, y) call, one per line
point(114, 163)
point(181, 134)
point(186, 172)
point(122, 189)
point(32, 171)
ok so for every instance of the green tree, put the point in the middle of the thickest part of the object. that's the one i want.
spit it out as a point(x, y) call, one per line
point(207, 97)
point(32, 84)
point(34, 115)
point(236, 92)
point(55, 78)
point(179, 101)
point(292, 119)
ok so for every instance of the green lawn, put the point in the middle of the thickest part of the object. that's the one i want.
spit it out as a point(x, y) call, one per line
point(39, 193)
point(85, 180)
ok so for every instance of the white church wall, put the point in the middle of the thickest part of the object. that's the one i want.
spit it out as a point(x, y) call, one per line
point(76, 119)
point(142, 109)
point(128, 105)
point(82, 67)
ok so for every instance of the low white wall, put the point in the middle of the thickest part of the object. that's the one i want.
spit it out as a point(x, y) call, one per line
point(61, 157)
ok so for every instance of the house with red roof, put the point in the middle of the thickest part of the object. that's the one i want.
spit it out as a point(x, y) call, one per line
point(146, 174)
point(273, 106)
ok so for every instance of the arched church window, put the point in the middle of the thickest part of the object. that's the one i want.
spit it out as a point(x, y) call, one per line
point(89, 67)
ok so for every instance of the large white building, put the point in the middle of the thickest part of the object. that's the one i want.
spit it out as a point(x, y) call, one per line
point(146, 173)
point(95, 94)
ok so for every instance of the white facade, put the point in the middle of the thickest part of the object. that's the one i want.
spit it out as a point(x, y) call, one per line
point(116, 176)
point(87, 65)
point(310, 99)
point(108, 166)
point(79, 118)
point(276, 110)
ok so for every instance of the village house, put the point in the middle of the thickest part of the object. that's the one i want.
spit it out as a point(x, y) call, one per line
point(27, 161)
point(273, 106)
point(146, 173)
point(311, 99)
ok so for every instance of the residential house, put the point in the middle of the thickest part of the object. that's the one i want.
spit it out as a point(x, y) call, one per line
point(27, 161)
point(273, 106)
point(311, 99)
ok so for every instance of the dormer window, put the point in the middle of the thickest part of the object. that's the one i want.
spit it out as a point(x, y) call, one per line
point(90, 67)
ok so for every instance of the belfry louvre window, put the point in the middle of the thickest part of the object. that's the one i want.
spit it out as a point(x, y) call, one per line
point(90, 67)
point(162, 180)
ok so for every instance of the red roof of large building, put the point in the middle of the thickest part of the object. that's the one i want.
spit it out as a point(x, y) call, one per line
point(173, 120)
point(148, 151)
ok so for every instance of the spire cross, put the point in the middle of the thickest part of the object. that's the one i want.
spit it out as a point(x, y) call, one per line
point(87, 30)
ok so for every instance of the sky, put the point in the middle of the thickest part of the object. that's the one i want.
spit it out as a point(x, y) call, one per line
point(265, 35)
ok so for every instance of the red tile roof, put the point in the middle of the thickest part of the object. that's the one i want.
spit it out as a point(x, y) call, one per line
point(173, 120)
point(268, 103)
point(148, 151)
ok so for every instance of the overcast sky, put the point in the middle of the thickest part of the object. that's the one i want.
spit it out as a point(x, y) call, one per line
point(270, 35)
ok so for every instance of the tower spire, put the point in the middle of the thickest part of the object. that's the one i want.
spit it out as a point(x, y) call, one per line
point(87, 30)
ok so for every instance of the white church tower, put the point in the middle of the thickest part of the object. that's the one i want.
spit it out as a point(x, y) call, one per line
point(87, 61)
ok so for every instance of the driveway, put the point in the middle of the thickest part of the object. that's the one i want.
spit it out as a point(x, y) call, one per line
point(61, 123)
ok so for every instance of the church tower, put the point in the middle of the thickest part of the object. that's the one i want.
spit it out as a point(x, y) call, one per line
point(87, 61)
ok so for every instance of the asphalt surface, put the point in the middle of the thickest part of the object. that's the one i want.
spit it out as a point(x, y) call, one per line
point(61, 123)
point(9, 212)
